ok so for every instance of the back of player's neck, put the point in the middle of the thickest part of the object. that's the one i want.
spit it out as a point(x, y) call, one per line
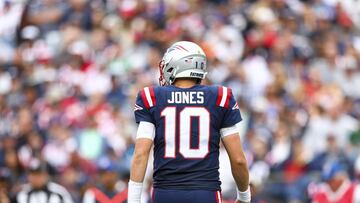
point(184, 83)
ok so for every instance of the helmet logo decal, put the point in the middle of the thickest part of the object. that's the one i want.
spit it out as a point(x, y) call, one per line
point(188, 60)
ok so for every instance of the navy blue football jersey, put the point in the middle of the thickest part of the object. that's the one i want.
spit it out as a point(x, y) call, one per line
point(187, 132)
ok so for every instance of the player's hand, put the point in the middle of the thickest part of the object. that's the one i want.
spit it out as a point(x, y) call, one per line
point(238, 201)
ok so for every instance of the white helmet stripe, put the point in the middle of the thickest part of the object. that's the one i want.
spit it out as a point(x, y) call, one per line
point(224, 96)
point(148, 96)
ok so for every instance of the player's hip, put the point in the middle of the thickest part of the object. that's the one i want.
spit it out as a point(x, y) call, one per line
point(185, 196)
point(180, 184)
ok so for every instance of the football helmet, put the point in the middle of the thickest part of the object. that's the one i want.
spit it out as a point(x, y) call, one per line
point(182, 60)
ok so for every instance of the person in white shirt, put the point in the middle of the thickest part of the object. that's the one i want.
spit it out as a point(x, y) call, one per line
point(40, 189)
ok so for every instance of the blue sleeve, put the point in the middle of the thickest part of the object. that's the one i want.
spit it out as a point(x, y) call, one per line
point(141, 112)
point(232, 114)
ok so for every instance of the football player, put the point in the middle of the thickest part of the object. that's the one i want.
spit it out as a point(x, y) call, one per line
point(186, 121)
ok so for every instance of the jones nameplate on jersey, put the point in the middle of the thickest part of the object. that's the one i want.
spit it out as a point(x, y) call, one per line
point(186, 98)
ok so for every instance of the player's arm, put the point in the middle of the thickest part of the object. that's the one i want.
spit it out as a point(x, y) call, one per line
point(140, 159)
point(239, 167)
point(144, 141)
point(231, 140)
point(143, 144)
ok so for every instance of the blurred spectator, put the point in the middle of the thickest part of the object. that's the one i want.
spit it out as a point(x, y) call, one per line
point(5, 194)
point(108, 188)
point(40, 189)
point(336, 186)
point(12, 171)
point(10, 18)
point(45, 14)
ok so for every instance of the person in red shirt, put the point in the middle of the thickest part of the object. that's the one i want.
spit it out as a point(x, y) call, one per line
point(108, 189)
point(336, 187)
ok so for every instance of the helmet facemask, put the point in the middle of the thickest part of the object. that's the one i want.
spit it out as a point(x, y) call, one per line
point(166, 78)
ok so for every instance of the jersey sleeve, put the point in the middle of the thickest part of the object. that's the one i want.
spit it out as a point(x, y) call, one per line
point(230, 107)
point(144, 101)
point(146, 130)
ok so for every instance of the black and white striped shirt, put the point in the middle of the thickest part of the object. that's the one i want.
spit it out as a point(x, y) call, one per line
point(52, 193)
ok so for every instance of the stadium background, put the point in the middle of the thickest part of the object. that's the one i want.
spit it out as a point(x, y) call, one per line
point(70, 69)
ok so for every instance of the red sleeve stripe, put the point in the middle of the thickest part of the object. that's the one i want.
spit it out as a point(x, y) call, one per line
point(227, 98)
point(223, 99)
point(148, 97)
point(220, 93)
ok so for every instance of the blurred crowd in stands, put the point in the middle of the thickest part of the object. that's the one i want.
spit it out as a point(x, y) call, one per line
point(70, 71)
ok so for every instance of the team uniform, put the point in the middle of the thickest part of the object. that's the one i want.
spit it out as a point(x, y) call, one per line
point(348, 193)
point(102, 195)
point(186, 125)
point(189, 123)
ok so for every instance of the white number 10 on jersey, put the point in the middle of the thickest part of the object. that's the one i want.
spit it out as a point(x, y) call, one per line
point(185, 136)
